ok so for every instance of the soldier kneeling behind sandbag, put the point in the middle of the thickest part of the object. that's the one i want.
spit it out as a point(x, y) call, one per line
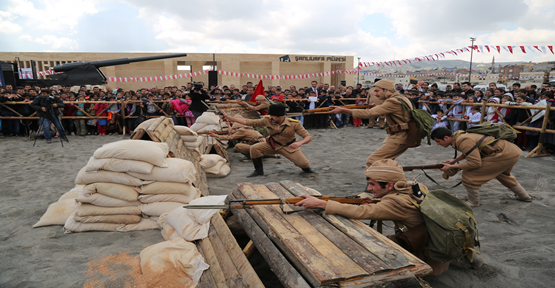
point(419, 229)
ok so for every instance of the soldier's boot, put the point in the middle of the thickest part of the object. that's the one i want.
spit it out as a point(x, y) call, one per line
point(258, 168)
point(521, 194)
point(309, 170)
point(473, 199)
point(477, 261)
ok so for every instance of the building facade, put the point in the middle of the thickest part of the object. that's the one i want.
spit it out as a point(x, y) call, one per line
point(257, 64)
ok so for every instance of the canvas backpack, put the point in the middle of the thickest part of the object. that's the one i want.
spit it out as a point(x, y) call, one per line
point(496, 130)
point(422, 118)
point(451, 225)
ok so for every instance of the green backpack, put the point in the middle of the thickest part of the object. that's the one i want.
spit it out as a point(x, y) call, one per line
point(423, 120)
point(496, 130)
point(451, 225)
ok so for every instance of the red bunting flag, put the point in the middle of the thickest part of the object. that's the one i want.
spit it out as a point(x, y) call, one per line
point(522, 48)
point(510, 49)
point(550, 49)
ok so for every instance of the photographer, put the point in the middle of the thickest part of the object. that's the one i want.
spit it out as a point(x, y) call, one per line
point(198, 96)
point(47, 107)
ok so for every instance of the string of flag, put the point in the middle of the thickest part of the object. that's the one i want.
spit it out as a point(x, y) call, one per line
point(477, 48)
point(451, 73)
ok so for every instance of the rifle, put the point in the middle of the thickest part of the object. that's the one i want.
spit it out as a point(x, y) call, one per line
point(352, 106)
point(215, 132)
point(422, 167)
point(249, 203)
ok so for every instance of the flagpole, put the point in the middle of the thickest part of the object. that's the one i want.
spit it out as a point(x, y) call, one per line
point(471, 52)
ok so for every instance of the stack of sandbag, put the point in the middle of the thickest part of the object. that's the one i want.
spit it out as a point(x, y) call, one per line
point(58, 212)
point(114, 179)
point(214, 165)
point(207, 122)
point(191, 224)
point(163, 196)
point(188, 136)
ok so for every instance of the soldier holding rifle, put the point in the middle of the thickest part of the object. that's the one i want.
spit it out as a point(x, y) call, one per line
point(282, 139)
point(396, 142)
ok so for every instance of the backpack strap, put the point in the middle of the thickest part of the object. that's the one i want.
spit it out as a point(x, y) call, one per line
point(400, 225)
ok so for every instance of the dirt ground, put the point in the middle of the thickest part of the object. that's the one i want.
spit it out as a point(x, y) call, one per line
point(516, 237)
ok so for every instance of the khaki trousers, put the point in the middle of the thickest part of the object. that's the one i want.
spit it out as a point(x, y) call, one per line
point(387, 151)
point(500, 170)
point(297, 157)
point(242, 148)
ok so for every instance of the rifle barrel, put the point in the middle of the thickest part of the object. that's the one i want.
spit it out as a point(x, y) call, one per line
point(421, 167)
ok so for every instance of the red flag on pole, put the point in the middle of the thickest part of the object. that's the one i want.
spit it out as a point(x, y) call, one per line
point(259, 91)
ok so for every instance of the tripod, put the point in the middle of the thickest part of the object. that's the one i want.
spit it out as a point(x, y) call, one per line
point(52, 117)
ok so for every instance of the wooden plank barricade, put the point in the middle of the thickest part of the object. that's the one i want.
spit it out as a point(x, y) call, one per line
point(309, 249)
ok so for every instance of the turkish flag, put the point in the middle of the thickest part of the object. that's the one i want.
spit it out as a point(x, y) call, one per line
point(259, 91)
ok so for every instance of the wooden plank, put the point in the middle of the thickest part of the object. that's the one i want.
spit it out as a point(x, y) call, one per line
point(249, 277)
point(342, 263)
point(363, 258)
point(392, 279)
point(212, 260)
point(232, 276)
point(249, 249)
point(206, 280)
point(302, 260)
point(283, 270)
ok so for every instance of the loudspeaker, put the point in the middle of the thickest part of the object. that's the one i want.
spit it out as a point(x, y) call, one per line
point(343, 83)
point(212, 78)
point(9, 74)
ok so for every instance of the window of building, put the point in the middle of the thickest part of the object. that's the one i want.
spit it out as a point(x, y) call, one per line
point(510, 70)
point(502, 70)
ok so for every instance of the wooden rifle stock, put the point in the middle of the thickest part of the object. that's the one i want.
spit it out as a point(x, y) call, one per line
point(434, 166)
point(352, 106)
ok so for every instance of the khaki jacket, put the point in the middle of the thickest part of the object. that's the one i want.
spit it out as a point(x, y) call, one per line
point(463, 142)
point(389, 108)
point(290, 127)
point(262, 106)
point(246, 135)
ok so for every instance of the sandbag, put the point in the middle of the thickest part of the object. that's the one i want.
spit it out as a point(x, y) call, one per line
point(158, 208)
point(168, 232)
point(93, 210)
point(104, 201)
point(224, 171)
point(160, 187)
point(141, 150)
point(189, 138)
point(113, 190)
point(181, 198)
point(184, 225)
point(73, 226)
point(116, 219)
point(203, 215)
point(191, 145)
point(209, 128)
point(175, 263)
point(84, 178)
point(184, 130)
point(145, 224)
point(209, 118)
point(72, 194)
point(209, 160)
point(118, 165)
point(197, 126)
point(178, 170)
point(57, 213)
point(214, 169)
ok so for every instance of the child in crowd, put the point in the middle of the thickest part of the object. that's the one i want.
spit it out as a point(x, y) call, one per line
point(151, 108)
point(456, 112)
point(439, 120)
point(100, 109)
point(70, 110)
point(359, 101)
point(516, 117)
point(474, 116)
point(491, 114)
point(80, 126)
point(504, 111)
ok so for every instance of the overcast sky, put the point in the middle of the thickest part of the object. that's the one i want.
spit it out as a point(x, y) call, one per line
point(373, 30)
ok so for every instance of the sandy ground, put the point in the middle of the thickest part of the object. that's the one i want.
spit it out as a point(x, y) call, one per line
point(517, 238)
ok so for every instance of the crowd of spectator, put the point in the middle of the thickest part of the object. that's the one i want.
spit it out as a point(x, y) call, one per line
point(184, 104)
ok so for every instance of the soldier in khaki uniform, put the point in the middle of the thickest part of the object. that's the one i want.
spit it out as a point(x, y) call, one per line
point(386, 180)
point(482, 163)
point(395, 143)
point(373, 99)
point(282, 132)
point(263, 105)
point(246, 135)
